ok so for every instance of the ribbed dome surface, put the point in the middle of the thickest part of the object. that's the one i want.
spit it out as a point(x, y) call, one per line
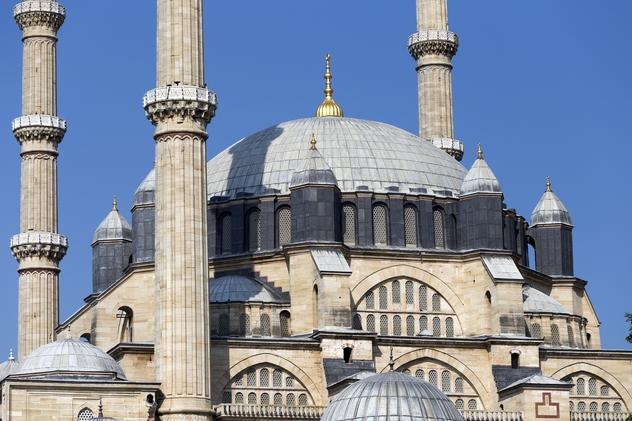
point(362, 155)
point(550, 210)
point(241, 289)
point(70, 358)
point(480, 179)
point(113, 227)
point(391, 396)
point(8, 367)
point(145, 193)
point(313, 170)
point(535, 301)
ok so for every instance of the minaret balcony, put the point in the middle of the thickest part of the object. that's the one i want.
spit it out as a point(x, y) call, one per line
point(453, 147)
point(46, 13)
point(180, 101)
point(39, 244)
point(39, 127)
point(444, 43)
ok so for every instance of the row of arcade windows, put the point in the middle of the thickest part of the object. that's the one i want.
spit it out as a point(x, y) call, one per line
point(283, 230)
point(251, 328)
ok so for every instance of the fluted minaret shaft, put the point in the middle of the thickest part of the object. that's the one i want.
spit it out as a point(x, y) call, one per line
point(38, 248)
point(433, 47)
point(180, 108)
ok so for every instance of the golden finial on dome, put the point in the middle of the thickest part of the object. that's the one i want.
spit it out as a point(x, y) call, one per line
point(548, 184)
point(479, 151)
point(329, 108)
point(312, 142)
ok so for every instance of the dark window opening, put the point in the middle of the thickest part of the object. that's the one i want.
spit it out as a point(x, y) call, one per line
point(515, 360)
point(347, 354)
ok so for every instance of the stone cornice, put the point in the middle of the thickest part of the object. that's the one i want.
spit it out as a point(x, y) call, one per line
point(47, 13)
point(576, 354)
point(168, 102)
point(443, 43)
point(39, 244)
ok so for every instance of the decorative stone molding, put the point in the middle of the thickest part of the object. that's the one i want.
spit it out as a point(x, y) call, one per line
point(492, 416)
point(226, 411)
point(39, 13)
point(453, 147)
point(39, 127)
point(39, 244)
point(443, 43)
point(183, 101)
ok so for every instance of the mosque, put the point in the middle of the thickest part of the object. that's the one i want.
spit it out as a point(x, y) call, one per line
point(323, 268)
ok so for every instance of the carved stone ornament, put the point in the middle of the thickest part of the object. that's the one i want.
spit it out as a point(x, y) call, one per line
point(39, 244)
point(39, 127)
point(442, 43)
point(180, 101)
point(39, 13)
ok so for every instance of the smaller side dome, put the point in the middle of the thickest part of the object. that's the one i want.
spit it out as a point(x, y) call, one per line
point(480, 178)
point(8, 367)
point(535, 301)
point(113, 227)
point(313, 170)
point(550, 209)
point(241, 289)
point(146, 192)
point(70, 358)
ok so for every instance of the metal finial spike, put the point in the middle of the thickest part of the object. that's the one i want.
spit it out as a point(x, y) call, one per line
point(391, 361)
point(100, 407)
point(328, 88)
point(114, 204)
point(11, 357)
point(329, 108)
point(479, 151)
point(548, 184)
point(312, 143)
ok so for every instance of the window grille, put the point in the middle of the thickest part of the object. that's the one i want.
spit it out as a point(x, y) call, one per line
point(284, 322)
point(383, 325)
point(439, 229)
point(224, 324)
point(472, 405)
point(244, 324)
point(571, 337)
point(289, 381)
point(433, 378)
point(226, 233)
point(370, 300)
point(409, 292)
point(423, 323)
point(592, 387)
point(581, 387)
point(593, 407)
point(252, 399)
point(302, 399)
point(278, 399)
point(536, 332)
point(410, 226)
point(254, 230)
point(555, 335)
point(436, 302)
point(581, 407)
point(264, 377)
point(227, 397)
point(85, 415)
point(349, 224)
point(251, 378)
point(423, 298)
point(397, 326)
point(445, 381)
point(276, 378)
point(357, 322)
point(239, 398)
point(239, 380)
point(605, 390)
point(571, 406)
point(290, 399)
point(458, 385)
point(605, 407)
point(616, 407)
point(449, 327)
point(370, 323)
point(436, 326)
point(419, 374)
point(284, 226)
point(265, 399)
point(379, 225)
point(460, 405)
point(383, 295)
point(410, 326)
point(264, 321)
point(396, 295)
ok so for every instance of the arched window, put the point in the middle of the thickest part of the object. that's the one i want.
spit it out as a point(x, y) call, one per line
point(244, 324)
point(252, 399)
point(226, 233)
point(251, 378)
point(555, 335)
point(436, 326)
point(592, 386)
point(397, 326)
point(409, 293)
point(284, 323)
point(593, 407)
point(254, 230)
point(264, 322)
point(315, 306)
point(581, 387)
point(616, 407)
point(349, 224)
point(571, 406)
point(423, 298)
point(284, 226)
point(383, 325)
point(380, 225)
point(446, 383)
point(410, 225)
point(460, 405)
point(276, 378)
point(423, 323)
point(289, 381)
point(410, 326)
point(125, 317)
point(370, 323)
point(453, 237)
point(433, 378)
point(536, 331)
point(419, 374)
point(227, 397)
point(515, 360)
point(85, 414)
point(449, 327)
point(472, 405)
point(605, 390)
point(458, 385)
point(395, 292)
point(439, 228)
point(224, 323)
point(265, 399)
point(278, 399)
point(86, 337)
point(264, 377)
point(605, 407)
point(571, 336)
point(370, 300)
point(357, 322)
point(383, 296)
point(239, 398)
point(290, 399)
point(302, 399)
point(436, 302)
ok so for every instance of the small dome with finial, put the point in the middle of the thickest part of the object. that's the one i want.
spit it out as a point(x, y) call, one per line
point(329, 108)
point(550, 209)
point(8, 367)
point(314, 169)
point(146, 191)
point(113, 227)
point(480, 178)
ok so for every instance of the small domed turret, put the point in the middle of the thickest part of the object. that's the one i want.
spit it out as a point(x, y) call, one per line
point(145, 193)
point(313, 170)
point(550, 209)
point(8, 367)
point(480, 178)
point(113, 227)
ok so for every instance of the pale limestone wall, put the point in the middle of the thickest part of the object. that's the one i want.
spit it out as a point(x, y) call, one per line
point(138, 367)
point(432, 14)
point(539, 403)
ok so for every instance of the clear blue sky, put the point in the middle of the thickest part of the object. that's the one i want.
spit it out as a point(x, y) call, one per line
point(543, 85)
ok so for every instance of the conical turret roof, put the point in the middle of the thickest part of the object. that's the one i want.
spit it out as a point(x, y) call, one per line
point(480, 178)
point(113, 227)
point(313, 170)
point(550, 209)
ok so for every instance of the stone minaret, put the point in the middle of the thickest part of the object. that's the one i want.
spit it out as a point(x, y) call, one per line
point(38, 248)
point(181, 107)
point(433, 47)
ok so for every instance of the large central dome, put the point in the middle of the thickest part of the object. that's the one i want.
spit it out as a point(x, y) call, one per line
point(364, 155)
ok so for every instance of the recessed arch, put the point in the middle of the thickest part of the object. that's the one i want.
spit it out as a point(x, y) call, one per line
point(599, 372)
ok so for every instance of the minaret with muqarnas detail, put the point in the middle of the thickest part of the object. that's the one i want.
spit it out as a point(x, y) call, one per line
point(433, 47)
point(180, 108)
point(38, 248)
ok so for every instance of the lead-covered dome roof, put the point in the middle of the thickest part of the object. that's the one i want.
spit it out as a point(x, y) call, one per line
point(550, 209)
point(363, 155)
point(242, 289)
point(535, 301)
point(113, 227)
point(391, 396)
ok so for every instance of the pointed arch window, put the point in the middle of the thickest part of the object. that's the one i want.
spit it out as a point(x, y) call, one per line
point(410, 225)
point(436, 326)
point(125, 317)
point(446, 383)
point(581, 387)
point(555, 334)
point(284, 226)
point(370, 323)
point(384, 325)
point(397, 325)
point(436, 302)
point(265, 327)
point(458, 385)
point(409, 293)
point(226, 233)
point(254, 230)
point(380, 225)
point(85, 414)
point(395, 292)
point(439, 228)
point(284, 322)
point(536, 331)
point(410, 326)
point(383, 297)
point(423, 298)
point(433, 378)
point(449, 327)
point(349, 224)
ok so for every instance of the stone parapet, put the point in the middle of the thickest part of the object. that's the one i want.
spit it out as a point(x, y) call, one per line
point(225, 411)
point(182, 101)
point(39, 244)
point(443, 43)
point(39, 13)
point(492, 416)
point(39, 127)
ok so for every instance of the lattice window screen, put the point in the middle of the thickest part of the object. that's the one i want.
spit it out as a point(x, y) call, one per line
point(264, 321)
point(555, 334)
point(581, 387)
point(226, 234)
point(410, 226)
point(449, 327)
point(244, 324)
point(383, 325)
point(436, 302)
point(409, 293)
point(289, 381)
point(383, 295)
point(446, 383)
point(349, 224)
point(252, 399)
point(290, 399)
point(276, 378)
point(254, 230)
point(536, 331)
point(419, 374)
point(423, 323)
point(571, 406)
point(85, 415)
point(593, 407)
point(284, 226)
point(458, 385)
point(592, 387)
point(265, 399)
point(616, 407)
point(472, 405)
point(379, 225)
point(284, 322)
point(264, 377)
point(357, 322)
point(439, 229)
point(571, 337)
point(239, 380)
point(410, 326)
point(395, 292)
point(370, 323)
point(278, 399)
point(433, 378)
point(251, 378)
point(436, 326)
point(460, 405)
point(227, 397)
point(239, 398)
point(302, 399)
point(605, 390)
point(370, 300)
point(397, 326)
point(605, 407)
